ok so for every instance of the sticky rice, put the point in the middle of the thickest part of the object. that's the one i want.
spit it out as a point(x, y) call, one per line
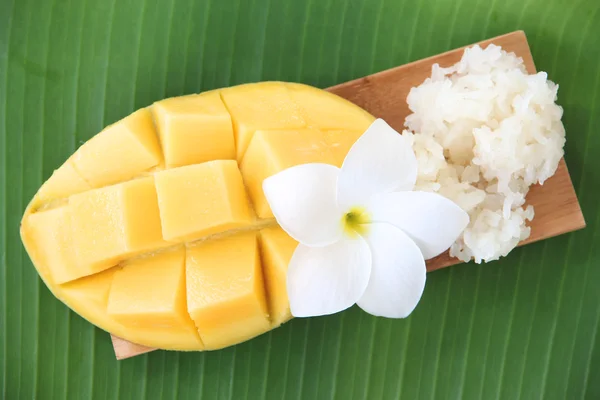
point(484, 131)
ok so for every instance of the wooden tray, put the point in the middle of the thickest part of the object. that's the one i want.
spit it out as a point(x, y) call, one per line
point(557, 210)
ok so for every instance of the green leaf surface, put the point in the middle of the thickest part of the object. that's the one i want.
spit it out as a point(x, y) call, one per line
point(525, 327)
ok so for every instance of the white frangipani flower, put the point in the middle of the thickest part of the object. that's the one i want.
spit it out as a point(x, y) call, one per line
point(364, 234)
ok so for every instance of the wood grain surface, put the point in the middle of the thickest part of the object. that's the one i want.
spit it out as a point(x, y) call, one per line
point(383, 94)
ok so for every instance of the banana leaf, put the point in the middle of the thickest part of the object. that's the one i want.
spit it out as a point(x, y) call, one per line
point(523, 327)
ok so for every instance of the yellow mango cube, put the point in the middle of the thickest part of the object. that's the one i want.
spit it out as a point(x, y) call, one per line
point(150, 293)
point(50, 237)
point(64, 182)
point(199, 200)
point(114, 222)
point(89, 297)
point(272, 151)
point(194, 129)
point(252, 107)
point(277, 248)
point(324, 110)
point(120, 152)
point(225, 292)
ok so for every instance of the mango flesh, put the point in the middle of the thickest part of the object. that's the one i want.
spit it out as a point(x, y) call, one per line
point(194, 129)
point(132, 141)
point(226, 296)
point(64, 182)
point(212, 195)
point(156, 229)
point(161, 305)
point(276, 248)
point(111, 224)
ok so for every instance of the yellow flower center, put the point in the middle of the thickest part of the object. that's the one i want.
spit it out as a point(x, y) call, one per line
point(355, 221)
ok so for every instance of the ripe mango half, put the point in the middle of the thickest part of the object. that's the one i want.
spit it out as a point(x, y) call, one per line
point(157, 230)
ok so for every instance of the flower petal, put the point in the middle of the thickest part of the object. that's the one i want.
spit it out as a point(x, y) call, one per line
point(326, 280)
point(302, 199)
point(380, 161)
point(431, 220)
point(397, 273)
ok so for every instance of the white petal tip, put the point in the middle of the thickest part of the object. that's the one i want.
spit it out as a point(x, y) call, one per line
point(303, 202)
point(432, 221)
point(327, 280)
point(381, 161)
point(398, 273)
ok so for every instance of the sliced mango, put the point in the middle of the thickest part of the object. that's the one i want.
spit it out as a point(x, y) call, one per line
point(51, 232)
point(194, 129)
point(150, 229)
point(120, 152)
point(150, 293)
point(113, 223)
point(89, 298)
point(265, 106)
point(275, 150)
point(323, 110)
point(277, 248)
point(200, 200)
point(64, 182)
point(225, 291)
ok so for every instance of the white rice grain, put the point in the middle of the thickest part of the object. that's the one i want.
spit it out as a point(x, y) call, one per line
point(484, 131)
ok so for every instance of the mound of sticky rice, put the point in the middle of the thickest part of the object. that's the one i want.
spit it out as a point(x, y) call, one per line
point(483, 132)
